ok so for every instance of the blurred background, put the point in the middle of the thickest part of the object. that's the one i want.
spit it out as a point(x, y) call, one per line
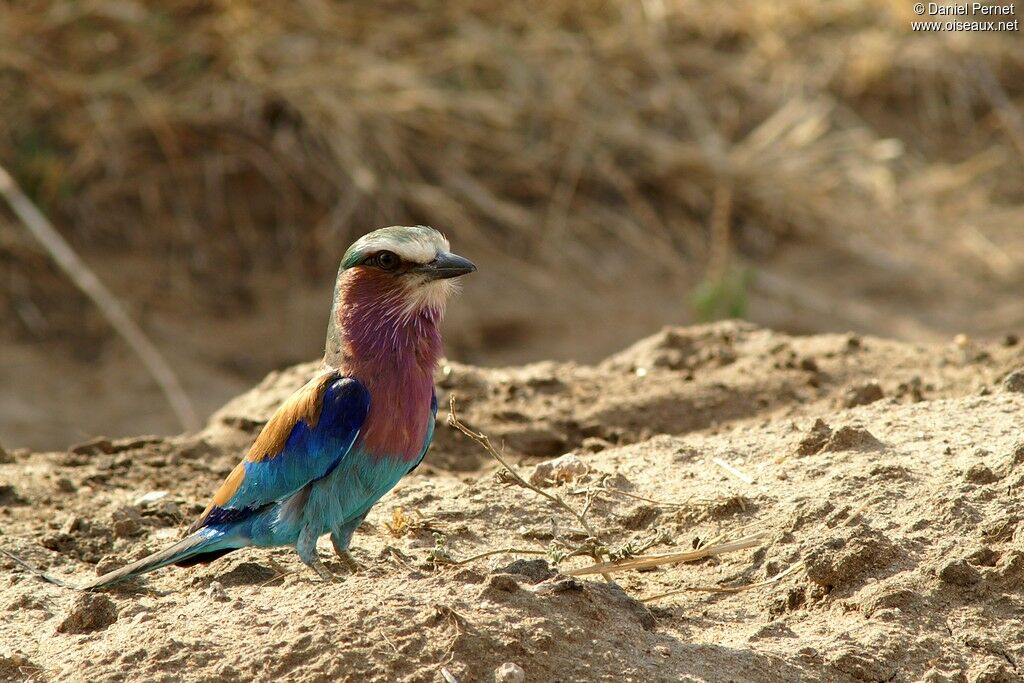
point(612, 167)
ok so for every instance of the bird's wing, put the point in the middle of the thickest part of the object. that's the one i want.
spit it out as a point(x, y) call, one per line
point(304, 441)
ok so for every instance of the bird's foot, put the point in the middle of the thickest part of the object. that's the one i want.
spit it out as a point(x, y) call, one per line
point(322, 571)
point(350, 562)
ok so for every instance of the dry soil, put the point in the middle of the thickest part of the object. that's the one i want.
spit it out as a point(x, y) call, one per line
point(884, 477)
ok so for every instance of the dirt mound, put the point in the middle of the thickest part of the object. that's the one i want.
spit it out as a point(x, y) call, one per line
point(882, 478)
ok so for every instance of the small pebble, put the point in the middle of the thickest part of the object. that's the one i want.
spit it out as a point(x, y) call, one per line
point(151, 497)
point(215, 591)
point(563, 468)
point(509, 672)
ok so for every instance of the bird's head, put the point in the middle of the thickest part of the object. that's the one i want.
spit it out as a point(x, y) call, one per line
point(392, 277)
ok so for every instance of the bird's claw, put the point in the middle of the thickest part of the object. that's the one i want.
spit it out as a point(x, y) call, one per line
point(350, 562)
point(322, 571)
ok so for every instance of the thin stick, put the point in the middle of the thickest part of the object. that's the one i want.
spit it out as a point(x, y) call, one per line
point(648, 561)
point(485, 442)
point(734, 471)
point(689, 502)
point(500, 551)
point(725, 589)
point(90, 285)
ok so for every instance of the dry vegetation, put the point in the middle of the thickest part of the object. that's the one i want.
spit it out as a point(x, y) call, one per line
point(224, 136)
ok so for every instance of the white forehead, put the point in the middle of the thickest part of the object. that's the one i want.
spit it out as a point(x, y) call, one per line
point(417, 244)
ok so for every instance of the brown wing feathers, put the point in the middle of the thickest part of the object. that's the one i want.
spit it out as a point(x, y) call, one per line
point(304, 405)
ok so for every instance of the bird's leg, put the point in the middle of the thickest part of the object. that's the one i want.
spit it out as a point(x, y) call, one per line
point(341, 538)
point(306, 547)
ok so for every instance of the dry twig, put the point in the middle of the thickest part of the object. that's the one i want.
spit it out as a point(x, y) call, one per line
point(726, 589)
point(90, 285)
point(485, 443)
point(648, 561)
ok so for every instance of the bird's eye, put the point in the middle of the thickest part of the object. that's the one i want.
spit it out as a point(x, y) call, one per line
point(386, 260)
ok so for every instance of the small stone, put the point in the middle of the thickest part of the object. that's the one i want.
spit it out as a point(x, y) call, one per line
point(535, 570)
point(1014, 382)
point(97, 446)
point(5, 457)
point(509, 673)
point(1011, 340)
point(215, 591)
point(65, 485)
point(559, 584)
point(912, 389)
point(503, 583)
point(10, 496)
point(127, 522)
point(862, 395)
point(595, 444)
point(169, 508)
point(150, 498)
point(959, 573)
point(564, 468)
point(91, 612)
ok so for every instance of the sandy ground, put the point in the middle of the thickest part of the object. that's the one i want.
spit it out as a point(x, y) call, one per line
point(883, 477)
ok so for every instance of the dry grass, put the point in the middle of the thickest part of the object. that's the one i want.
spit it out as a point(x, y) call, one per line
point(598, 132)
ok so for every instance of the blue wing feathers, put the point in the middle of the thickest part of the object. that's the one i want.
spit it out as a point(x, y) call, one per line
point(309, 454)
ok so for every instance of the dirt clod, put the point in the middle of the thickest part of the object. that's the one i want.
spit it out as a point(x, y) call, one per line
point(980, 473)
point(90, 612)
point(535, 570)
point(863, 394)
point(847, 554)
point(848, 438)
point(1014, 382)
point(816, 438)
point(959, 573)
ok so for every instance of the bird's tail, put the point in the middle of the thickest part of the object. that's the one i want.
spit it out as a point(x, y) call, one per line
point(203, 542)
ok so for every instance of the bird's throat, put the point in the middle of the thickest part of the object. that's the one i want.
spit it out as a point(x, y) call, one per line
point(393, 350)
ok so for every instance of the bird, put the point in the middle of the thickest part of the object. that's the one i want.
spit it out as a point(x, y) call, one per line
point(334, 447)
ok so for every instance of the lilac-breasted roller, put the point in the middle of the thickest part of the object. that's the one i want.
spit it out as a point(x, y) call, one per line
point(343, 440)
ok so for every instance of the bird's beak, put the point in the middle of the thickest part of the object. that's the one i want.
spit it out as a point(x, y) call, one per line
point(446, 266)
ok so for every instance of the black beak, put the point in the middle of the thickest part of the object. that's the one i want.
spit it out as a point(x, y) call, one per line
point(446, 266)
